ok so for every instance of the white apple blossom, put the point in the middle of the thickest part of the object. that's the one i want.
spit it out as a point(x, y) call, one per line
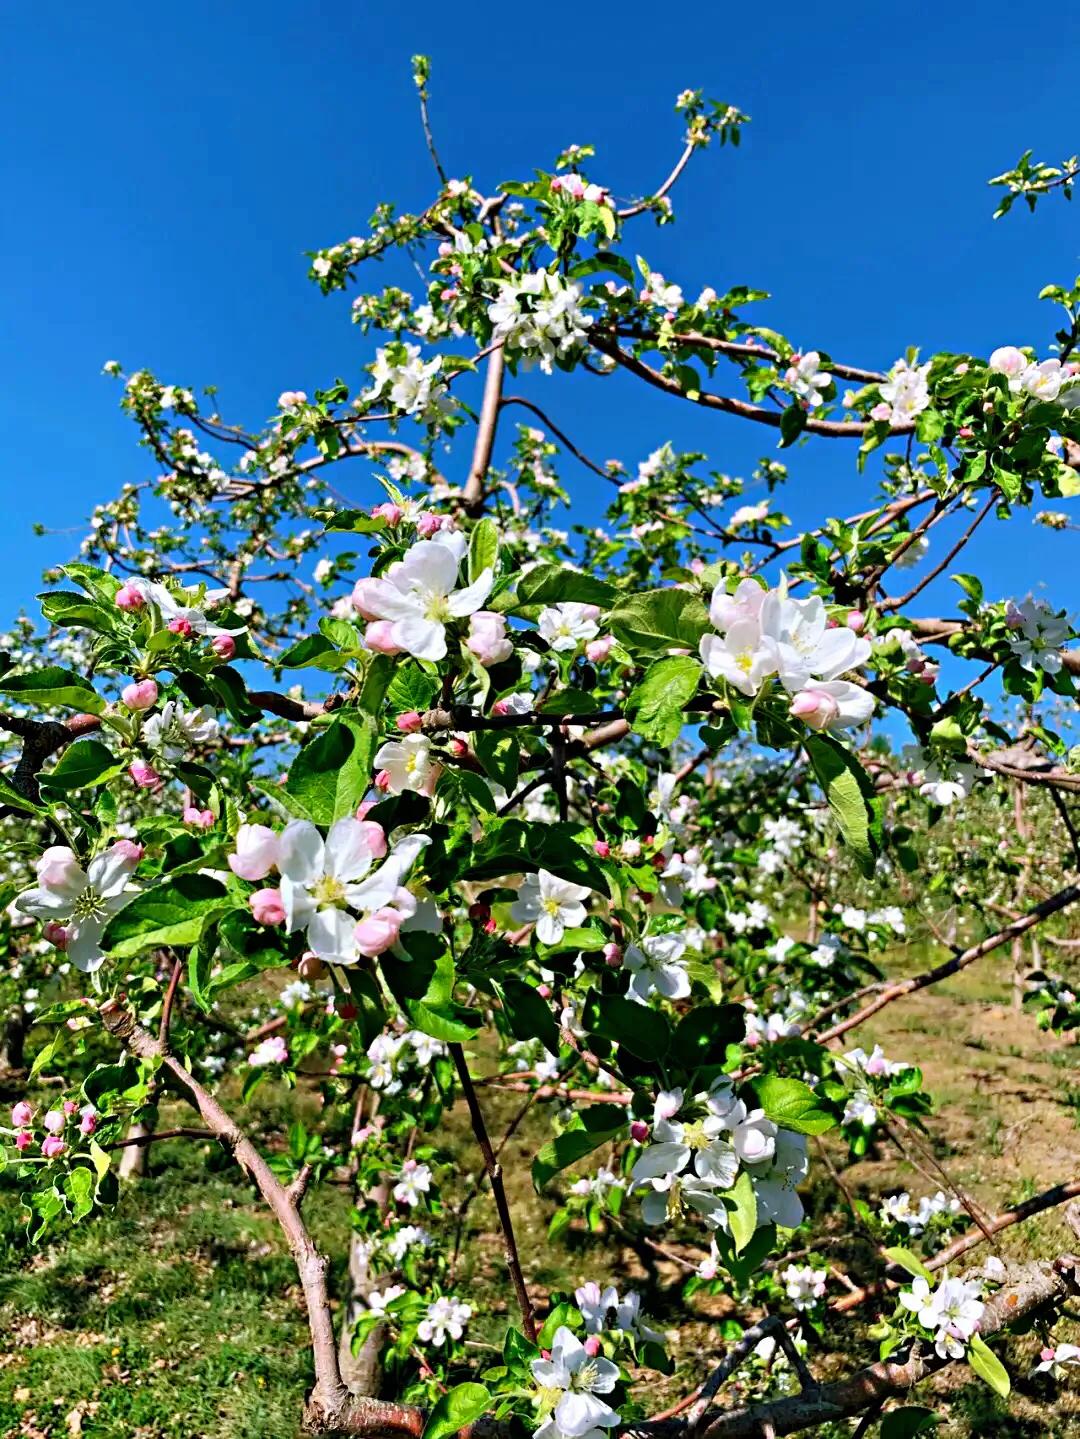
point(413, 1183)
point(807, 379)
point(174, 732)
point(325, 884)
point(409, 383)
point(806, 648)
point(804, 1284)
point(1007, 360)
point(488, 639)
point(83, 901)
point(445, 1319)
point(906, 392)
point(1036, 633)
point(776, 1183)
point(744, 657)
point(657, 291)
point(408, 764)
point(657, 966)
point(188, 604)
point(418, 596)
point(553, 905)
point(749, 515)
point(569, 1384)
point(952, 1312)
point(1055, 1360)
point(566, 626)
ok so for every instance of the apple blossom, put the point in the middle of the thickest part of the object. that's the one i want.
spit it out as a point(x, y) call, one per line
point(552, 904)
point(82, 900)
point(272, 1050)
point(657, 966)
point(408, 764)
point(807, 379)
point(418, 598)
point(570, 1381)
point(52, 1146)
point(566, 626)
point(446, 1318)
point(21, 1114)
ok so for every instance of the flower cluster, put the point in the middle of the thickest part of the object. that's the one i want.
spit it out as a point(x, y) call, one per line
point(698, 1149)
point(951, 1313)
point(539, 318)
point(765, 632)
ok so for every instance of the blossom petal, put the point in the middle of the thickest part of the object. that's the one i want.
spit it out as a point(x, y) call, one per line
point(348, 854)
point(301, 852)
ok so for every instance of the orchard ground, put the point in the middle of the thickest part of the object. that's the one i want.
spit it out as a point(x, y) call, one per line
point(179, 1314)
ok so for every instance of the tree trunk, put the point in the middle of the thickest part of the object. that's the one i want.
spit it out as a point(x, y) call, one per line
point(135, 1157)
point(13, 1043)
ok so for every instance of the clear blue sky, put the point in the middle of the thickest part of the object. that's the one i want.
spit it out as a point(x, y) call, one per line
point(164, 169)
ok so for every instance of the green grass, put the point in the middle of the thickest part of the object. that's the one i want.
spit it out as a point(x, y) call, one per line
point(176, 1315)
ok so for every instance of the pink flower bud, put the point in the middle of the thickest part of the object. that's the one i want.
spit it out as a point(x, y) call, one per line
point(383, 780)
point(410, 721)
point(140, 694)
point(70, 1107)
point(816, 708)
point(881, 412)
point(856, 621)
point(376, 838)
point(392, 514)
point(487, 638)
point(428, 524)
point(379, 637)
point(23, 1139)
point(491, 927)
point(597, 650)
point(445, 250)
point(224, 646)
point(377, 932)
point(129, 849)
point(639, 1131)
point(601, 848)
point(88, 1123)
point(458, 747)
point(130, 597)
point(202, 818)
point(590, 612)
point(53, 1146)
point(267, 907)
point(256, 852)
point(593, 1346)
point(54, 1121)
point(1047, 1355)
point(180, 626)
point(500, 707)
point(544, 991)
point(144, 775)
point(21, 1114)
point(310, 966)
point(965, 432)
point(56, 934)
point(613, 955)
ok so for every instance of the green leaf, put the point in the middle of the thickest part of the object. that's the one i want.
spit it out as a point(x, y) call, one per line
point(792, 424)
point(423, 986)
point(741, 1203)
point(791, 1104)
point(597, 1125)
point(172, 913)
point(517, 846)
point(483, 549)
point(84, 763)
point(556, 584)
point(655, 706)
point(79, 1188)
point(910, 1263)
point(65, 607)
point(313, 652)
point(100, 1159)
point(904, 1423)
point(411, 688)
point(53, 686)
point(455, 1409)
point(988, 1366)
point(657, 620)
point(564, 1313)
point(851, 796)
point(703, 1035)
point(643, 1031)
point(529, 1016)
point(332, 773)
point(15, 799)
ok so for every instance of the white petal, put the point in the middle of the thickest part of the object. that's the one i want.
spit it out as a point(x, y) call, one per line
point(301, 852)
point(330, 934)
point(348, 854)
point(467, 601)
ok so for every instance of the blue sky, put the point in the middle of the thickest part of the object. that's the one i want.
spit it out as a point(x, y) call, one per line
point(164, 172)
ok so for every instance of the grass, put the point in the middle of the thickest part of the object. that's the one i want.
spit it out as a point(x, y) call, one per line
point(178, 1315)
